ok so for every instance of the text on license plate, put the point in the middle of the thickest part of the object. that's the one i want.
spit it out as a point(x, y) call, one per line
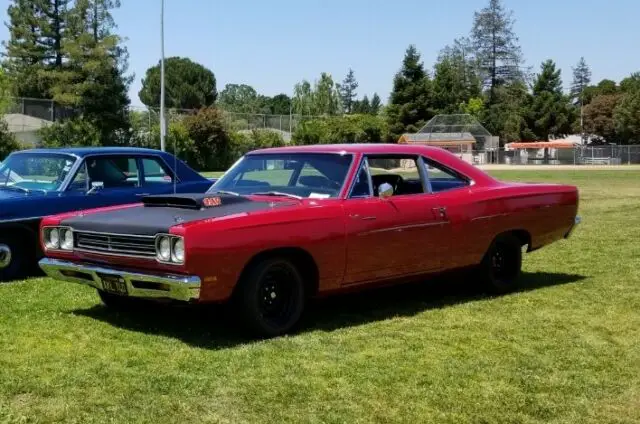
point(113, 284)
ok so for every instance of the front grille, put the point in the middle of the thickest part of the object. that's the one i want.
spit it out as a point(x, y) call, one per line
point(116, 244)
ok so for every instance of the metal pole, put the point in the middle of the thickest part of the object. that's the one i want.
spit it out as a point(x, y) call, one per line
point(163, 127)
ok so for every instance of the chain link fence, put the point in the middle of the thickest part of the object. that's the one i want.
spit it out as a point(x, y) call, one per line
point(25, 117)
point(579, 155)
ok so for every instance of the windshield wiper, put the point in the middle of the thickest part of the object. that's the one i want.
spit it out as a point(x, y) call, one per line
point(276, 193)
point(22, 189)
point(233, 193)
point(16, 188)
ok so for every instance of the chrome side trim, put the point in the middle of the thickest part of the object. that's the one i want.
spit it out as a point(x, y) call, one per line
point(183, 288)
point(400, 228)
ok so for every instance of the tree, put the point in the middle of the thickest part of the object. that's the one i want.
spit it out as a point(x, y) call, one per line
point(496, 46)
point(239, 98)
point(376, 103)
point(599, 117)
point(279, 104)
point(506, 116)
point(321, 99)
point(456, 79)
point(410, 103)
point(627, 117)
point(348, 91)
point(34, 49)
point(550, 113)
point(188, 85)
point(581, 80)
point(630, 83)
point(93, 79)
point(362, 106)
point(211, 148)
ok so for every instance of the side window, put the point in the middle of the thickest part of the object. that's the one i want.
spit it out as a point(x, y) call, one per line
point(361, 187)
point(80, 181)
point(154, 172)
point(113, 172)
point(402, 172)
point(442, 179)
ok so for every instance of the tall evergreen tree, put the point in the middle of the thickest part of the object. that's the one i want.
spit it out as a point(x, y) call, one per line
point(410, 103)
point(93, 80)
point(581, 80)
point(34, 47)
point(348, 91)
point(550, 113)
point(496, 46)
point(376, 103)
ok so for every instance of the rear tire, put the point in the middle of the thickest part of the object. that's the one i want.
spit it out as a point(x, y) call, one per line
point(271, 297)
point(502, 265)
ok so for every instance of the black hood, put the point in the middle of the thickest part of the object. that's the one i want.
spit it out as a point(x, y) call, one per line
point(159, 213)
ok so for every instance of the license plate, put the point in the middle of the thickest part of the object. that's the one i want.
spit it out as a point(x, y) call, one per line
point(113, 284)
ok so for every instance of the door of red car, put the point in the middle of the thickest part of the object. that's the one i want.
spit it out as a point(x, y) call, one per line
point(394, 236)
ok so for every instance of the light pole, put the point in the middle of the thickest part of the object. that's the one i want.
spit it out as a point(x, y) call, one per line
point(163, 127)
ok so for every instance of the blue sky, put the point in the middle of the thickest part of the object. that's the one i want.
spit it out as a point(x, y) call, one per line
point(273, 44)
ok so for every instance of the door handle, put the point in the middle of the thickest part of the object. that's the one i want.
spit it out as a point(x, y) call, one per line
point(142, 194)
point(440, 212)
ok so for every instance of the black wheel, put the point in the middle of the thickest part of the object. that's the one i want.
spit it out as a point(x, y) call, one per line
point(271, 297)
point(13, 258)
point(502, 264)
point(118, 302)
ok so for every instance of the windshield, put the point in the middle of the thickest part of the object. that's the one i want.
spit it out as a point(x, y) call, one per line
point(313, 175)
point(34, 171)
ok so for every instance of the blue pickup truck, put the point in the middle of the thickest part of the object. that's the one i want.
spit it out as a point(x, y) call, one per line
point(39, 182)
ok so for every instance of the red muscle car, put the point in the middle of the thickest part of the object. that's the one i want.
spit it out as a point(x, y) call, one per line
point(285, 224)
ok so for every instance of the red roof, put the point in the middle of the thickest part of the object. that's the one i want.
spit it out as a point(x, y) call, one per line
point(375, 148)
point(436, 153)
point(556, 144)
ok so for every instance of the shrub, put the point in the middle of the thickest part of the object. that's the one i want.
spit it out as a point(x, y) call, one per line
point(343, 129)
point(245, 141)
point(211, 148)
point(8, 142)
point(72, 132)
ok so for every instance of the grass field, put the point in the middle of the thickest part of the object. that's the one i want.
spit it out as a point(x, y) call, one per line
point(566, 349)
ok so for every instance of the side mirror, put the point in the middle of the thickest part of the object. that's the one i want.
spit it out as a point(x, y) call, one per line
point(385, 190)
point(95, 187)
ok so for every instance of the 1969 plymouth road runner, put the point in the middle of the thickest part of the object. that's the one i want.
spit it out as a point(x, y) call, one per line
point(285, 224)
point(39, 182)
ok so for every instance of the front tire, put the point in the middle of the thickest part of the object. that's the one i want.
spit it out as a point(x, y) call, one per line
point(502, 265)
point(117, 302)
point(13, 258)
point(271, 297)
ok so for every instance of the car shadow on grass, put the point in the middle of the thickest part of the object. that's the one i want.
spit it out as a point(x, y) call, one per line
point(217, 328)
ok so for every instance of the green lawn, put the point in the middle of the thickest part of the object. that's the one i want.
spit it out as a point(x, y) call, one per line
point(566, 349)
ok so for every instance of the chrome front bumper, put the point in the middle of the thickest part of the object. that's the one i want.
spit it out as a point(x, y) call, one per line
point(576, 221)
point(144, 285)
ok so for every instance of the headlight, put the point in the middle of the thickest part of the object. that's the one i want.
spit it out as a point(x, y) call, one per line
point(164, 248)
point(177, 251)
point(66, 239)
point(52, 238)
point(170, 249)
point(58, 238)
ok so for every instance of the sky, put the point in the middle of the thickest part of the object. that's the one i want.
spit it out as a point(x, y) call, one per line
point(273, 44)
